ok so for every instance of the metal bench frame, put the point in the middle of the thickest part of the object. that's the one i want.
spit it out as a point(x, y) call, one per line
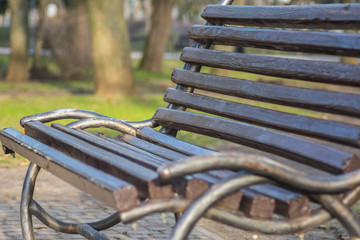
point(324, 190)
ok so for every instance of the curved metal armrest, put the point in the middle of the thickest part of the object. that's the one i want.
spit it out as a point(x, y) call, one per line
point(72, 113)
point(263, 166)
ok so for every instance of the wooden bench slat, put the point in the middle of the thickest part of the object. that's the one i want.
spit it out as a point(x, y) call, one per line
point(342, 44)
point(318, 128)
point(138, 175)
point(257, 206)
point(190, 188)
point(147, 160)
point(321, 100)
point(309, 70)
point(295, 148)
point(322, 16)
point(288, 204)
point(111, 190)
point(175, 144)
point(284, 208)
point(155, 149)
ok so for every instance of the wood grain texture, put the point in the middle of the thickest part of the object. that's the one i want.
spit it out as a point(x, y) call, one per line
point(294, 148)
point(319, 128)
point(320, 100)
point(322, 16)
point(334, 43)
point(115, 192)
point(138, 175)
point(316, 71)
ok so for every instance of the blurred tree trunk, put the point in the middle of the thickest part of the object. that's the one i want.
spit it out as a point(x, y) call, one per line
point(37, 68)
point(18, 66)
point(158, 36)
point(111, 48)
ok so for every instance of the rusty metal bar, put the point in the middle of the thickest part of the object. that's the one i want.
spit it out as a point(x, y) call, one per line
point(318, 216)
point(216, 192)
point(342, 213)
point(266, 167)
point(72, 113)
point(26, 199)
point(88, 230)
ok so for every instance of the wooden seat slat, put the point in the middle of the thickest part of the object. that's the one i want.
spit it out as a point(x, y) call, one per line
point(308, 70)
point(288, 204)
point(152, 161)
point(322, 16)
point(155, 149)
point(294, 148)
point(105, 187)
point(190, 188)
point(309, 126)
point(321, 100)
point(138, 175)
point(341, 44)
point(253, 200)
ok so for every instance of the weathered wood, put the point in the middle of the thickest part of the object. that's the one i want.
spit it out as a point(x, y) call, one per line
point(105, 187)
point(341, 44)
point(256, 205)
point(321, 100)
point(141, 158)
point(322, 16)
point(153, 148)
point(141, 177)
point(288, 204)
point(190, 187)
point(173, 143)
point(317, 71)
point(259, 205)
point(309, 126)
point(294, 148)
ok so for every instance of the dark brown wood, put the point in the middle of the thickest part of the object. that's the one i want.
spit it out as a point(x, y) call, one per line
point(320, 100)
point(143, 178)
point(292, 147)
point(314, 127)
point(113, 191)
point(342, 44)
point(288, 204)
point(317, 71)
point(322, 16)
point(190, 187)
point(138, 156)
point(257, 206)
point(173, 143)
point(153, 148)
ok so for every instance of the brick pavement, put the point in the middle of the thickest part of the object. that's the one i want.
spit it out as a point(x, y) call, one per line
point(69, 204)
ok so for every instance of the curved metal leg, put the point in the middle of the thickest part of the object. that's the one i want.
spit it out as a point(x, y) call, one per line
point(29, 207)
point(26, 198)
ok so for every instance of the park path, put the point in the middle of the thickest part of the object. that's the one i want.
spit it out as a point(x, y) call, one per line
point(68, 203)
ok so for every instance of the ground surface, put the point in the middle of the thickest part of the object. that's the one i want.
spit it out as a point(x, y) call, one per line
point(66, 202)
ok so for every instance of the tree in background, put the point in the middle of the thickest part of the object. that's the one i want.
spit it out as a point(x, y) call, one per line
point(18, 66)
point(37, 68)
point(111, 48)
point(157, 39)
point(68, 38)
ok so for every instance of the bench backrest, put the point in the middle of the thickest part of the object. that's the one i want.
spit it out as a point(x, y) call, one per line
point(311, 110)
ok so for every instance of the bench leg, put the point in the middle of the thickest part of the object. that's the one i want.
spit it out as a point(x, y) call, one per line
point(26, 198)
point(29, 207)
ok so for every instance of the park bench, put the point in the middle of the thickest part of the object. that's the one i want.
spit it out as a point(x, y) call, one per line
point(296, 136)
